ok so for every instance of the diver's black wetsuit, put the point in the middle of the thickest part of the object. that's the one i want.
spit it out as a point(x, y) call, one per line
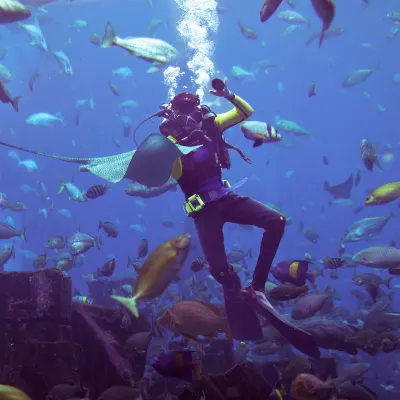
point(200, 173)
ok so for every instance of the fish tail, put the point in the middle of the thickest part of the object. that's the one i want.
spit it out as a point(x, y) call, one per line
point(22, 234)
point(197, 367)
point(387, 282)
point(321, 38)
point(97, 242)
point(377, 163)
point(129, 303)
point(312, 277)
point(109, 36)
point(15, 101)
point(62, 185)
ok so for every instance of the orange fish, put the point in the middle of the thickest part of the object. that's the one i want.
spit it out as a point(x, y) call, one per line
point(192, 318)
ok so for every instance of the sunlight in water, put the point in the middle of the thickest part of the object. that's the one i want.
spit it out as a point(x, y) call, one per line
point(198, 20)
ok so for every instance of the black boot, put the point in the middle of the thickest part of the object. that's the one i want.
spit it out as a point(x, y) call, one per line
point(242, 319)
point(232, 287)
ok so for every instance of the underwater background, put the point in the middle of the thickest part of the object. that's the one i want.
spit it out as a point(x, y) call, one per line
point(290, 174)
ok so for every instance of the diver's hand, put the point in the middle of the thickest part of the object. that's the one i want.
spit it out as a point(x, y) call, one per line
point(225, 92)
point(272, 134)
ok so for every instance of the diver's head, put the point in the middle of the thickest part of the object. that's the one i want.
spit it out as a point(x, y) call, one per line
point(184, 103)
point(185, 117)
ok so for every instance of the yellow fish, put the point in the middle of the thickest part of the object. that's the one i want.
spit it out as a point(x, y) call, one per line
point(158, 271)
point(12, 393)
point(383, 194)
point(293, 269)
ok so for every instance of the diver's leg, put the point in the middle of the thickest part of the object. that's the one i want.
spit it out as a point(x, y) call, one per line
point(242, 319)
point(245, 210)
point(209, 225)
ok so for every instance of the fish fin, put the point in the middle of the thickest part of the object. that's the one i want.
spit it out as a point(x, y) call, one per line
point(312, 277)
point(109, 36)
point(197, 367)
point(129, 303)
point(23, 234)
point(62, 185)
point(14, 102)
point(97, 242)
point(258, 143)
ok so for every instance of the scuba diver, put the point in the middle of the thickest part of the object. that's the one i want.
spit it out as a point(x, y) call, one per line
point(210, 200)
point(191, 148)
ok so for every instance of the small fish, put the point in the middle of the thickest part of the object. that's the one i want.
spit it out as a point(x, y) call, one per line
point(5, 97)
point(198, 264)
point(384, 194)
point(109, 228)
point(32, 80)
point(136, 264)
point(333, 263)
point(378, 257)
point(8, 232)
point(311, 89)
point(16, 206)
point(307, 387)
point(247, 32)
point(143, 248)
point(5, 255)
point(260, 132)
point(40, 261)
point(177, 364)
point(73, 192)
point(191, 318)
point(56, 243)
point(287, 292)
point(325, 160)
point(358, 76)
point(114, 89)
point(96, 191)
point(369, 155)
point(106, 270)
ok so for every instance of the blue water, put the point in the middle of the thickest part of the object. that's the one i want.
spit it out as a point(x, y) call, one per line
point(337, 118)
